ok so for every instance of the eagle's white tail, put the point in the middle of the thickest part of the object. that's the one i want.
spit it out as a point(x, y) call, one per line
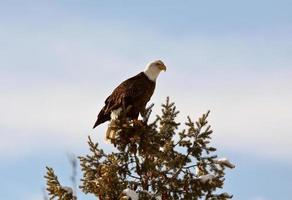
point(110, 132)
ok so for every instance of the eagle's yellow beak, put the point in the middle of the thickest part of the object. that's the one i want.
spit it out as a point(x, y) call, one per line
point(162, 67)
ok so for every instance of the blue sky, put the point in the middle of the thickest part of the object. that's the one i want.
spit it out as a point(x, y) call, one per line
point(60, 59)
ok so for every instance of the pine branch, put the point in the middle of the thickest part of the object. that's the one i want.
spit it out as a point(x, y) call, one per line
point(55, 189)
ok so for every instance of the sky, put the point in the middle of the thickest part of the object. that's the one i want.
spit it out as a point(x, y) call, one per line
point(59, 60)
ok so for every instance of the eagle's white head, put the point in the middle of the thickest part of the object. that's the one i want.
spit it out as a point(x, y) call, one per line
point(153, 69)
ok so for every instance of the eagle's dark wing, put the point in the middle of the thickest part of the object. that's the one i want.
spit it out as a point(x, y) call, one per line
point(135, 91)
point(127, 92)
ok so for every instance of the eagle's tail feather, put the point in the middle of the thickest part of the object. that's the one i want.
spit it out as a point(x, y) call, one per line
point(110, 132)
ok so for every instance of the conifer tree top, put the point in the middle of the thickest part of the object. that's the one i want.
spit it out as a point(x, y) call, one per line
point(154, 161)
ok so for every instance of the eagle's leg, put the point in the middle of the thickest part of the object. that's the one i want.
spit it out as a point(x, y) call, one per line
point(145, 113)
point(135, 115)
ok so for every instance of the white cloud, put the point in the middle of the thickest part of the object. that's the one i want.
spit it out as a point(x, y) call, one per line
point(255, 120)
point(37, 120)
point(250, 118)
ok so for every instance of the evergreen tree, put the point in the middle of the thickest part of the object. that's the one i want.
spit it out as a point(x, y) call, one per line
point(152, 161)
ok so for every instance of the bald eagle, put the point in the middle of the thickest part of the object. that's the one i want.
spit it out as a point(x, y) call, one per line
point(133, 93)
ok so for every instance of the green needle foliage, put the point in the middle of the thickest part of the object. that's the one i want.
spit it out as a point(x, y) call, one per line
point(55, 189)
point(154, 160)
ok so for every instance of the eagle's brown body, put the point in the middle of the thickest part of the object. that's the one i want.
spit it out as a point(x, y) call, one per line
point(133, 93)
